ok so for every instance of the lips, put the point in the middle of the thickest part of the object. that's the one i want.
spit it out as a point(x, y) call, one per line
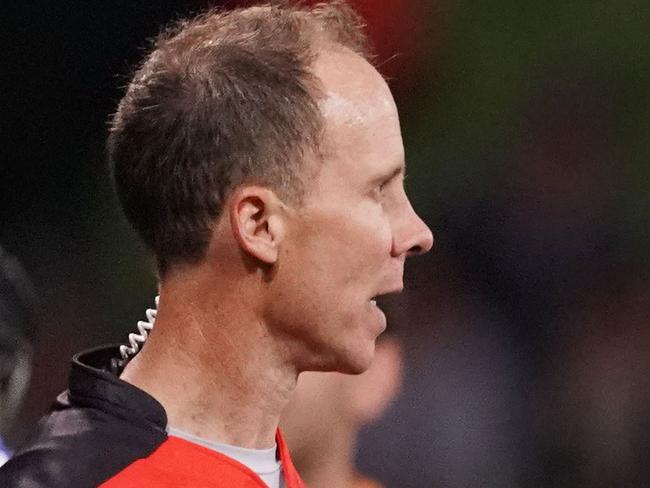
point(380, 317)
point(390, 291)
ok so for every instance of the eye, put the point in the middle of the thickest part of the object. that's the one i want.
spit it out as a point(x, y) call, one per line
point(378, 191)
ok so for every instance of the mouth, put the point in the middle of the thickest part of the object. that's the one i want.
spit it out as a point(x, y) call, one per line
point(391, 291)
point(377, 298)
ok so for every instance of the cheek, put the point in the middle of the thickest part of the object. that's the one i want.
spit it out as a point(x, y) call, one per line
point(363, 238)
point(342, 246)
point(370, 232)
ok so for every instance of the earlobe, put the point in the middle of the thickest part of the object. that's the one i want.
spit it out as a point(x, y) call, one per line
point(256, 222)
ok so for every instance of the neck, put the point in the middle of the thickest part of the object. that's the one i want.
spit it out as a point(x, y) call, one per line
point(215, 368)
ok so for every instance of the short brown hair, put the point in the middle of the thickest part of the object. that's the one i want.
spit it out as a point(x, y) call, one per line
point(220, 100)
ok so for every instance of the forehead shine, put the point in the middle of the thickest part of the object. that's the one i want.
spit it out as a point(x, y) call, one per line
point(353, 111)
point(355, 100)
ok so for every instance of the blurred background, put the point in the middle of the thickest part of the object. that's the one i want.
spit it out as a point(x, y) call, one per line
point(527, 131)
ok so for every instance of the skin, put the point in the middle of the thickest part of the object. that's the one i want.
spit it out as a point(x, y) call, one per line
point(356, 228)
point(286, 288)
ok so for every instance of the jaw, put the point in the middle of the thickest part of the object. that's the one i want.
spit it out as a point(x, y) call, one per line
point(349, 349)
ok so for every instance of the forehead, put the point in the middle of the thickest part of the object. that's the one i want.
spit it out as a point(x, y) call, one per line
point(361, 122)
point(354, 91)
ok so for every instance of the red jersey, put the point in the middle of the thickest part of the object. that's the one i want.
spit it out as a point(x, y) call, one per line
point(178, 462)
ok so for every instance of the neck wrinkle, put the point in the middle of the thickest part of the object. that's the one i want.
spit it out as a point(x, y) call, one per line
point(218, 374)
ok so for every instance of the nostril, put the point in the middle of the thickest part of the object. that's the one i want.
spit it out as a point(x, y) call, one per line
point(416, 250)
point(413, 238)
point(423, 245)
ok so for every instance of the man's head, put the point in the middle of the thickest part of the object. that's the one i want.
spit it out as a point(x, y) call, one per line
point(265, 138)
point(224, 99)
point(356, 225)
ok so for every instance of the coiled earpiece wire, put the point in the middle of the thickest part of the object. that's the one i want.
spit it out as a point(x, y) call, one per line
point(136, 339)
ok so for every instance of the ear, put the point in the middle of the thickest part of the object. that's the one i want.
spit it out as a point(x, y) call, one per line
point(373, 390)
point(257, 222)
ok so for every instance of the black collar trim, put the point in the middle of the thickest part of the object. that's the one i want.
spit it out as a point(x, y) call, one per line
point(92, 384)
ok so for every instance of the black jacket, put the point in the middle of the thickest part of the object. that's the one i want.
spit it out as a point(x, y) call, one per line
point(94, 430)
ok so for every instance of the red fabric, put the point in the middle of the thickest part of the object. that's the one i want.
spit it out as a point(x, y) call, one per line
point(179, 463)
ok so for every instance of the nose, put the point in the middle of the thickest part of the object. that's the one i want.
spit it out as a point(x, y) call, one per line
point(411, 236)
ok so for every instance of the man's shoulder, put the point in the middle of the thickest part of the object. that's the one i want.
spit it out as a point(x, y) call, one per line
point(106, 432)
point(97, 428)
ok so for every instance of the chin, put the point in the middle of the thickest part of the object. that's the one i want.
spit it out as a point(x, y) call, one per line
point(355, 361)
point(343, 360)
point(354, 368)
point(348, 346)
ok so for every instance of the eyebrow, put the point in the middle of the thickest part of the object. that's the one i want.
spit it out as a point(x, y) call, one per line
point(398, 170)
